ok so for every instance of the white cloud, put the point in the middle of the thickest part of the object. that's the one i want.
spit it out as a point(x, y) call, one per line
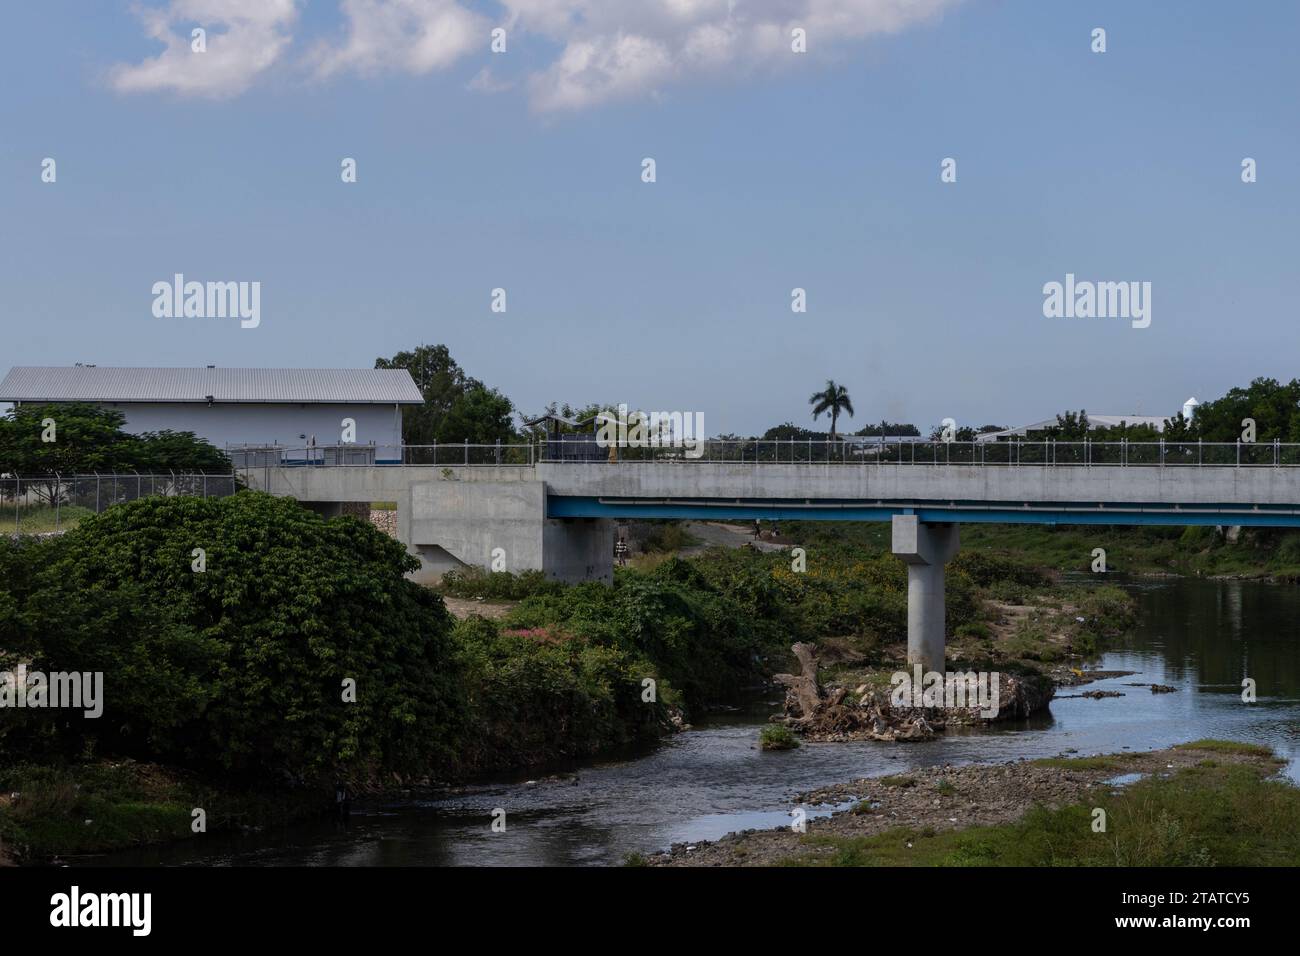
point(485, 81)
point(623, 48)
point(413, 36)
point(599, 50)
point(244, 39)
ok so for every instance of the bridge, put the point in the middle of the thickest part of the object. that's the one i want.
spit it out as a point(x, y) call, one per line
point(526, 509)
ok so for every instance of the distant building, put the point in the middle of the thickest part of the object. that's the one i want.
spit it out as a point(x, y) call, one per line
point(294, 408)
point(1094, 421)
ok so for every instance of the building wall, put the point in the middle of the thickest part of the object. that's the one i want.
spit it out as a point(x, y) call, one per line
point(282, 424)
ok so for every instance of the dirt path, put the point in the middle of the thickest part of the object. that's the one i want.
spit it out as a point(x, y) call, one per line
point(944, 798)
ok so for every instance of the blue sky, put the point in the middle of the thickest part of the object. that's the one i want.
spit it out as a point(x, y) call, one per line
point(774, 171)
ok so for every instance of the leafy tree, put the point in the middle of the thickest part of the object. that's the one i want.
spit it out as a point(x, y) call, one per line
point(442, 383)
point(1274, 407)
point(86, 439)
point(789, 431)
point(1069, 426)
point(89, 439)
point(242, 666)
point(481, 416)
point(833, 399)
point(890, 429)
point(171, 451)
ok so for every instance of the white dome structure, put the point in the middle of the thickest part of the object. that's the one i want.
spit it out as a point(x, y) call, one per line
point(1189, 406)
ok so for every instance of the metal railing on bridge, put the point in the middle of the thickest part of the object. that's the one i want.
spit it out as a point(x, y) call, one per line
point(443, 454)
point(892, 452)
point(49, 504)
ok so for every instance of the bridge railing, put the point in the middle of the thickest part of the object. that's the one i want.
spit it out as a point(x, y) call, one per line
point(911, 451)
point(894, 452)
point(442, 454)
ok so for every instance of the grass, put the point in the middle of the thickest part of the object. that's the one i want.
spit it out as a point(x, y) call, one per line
point(1212, 814)
point(1227, 747)
point(105, 805)
point(41, 519)
point(777, 737)
point(897, 781)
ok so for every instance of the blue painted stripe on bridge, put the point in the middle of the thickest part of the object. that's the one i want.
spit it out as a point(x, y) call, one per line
point(558, 506)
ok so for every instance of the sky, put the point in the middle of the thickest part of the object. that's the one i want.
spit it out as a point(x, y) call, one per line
point(774, 170)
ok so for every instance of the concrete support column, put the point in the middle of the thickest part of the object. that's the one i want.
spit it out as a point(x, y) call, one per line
point(926, 548)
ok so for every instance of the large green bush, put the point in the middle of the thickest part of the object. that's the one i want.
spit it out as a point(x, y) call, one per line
point(240, 666)
point(538, 696)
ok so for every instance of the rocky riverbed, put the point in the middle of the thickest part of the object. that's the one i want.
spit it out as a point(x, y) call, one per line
point(940, 798)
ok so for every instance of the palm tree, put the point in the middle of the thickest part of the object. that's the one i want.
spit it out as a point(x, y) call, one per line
point(834, 399)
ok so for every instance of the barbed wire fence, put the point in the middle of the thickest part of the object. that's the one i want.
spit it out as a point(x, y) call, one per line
point(50, 504)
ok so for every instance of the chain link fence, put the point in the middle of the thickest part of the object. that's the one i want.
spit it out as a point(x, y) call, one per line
point(54, 503)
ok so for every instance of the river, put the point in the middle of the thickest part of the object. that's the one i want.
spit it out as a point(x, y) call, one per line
point(1201, 637)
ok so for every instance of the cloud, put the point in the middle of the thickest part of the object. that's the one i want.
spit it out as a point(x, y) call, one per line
point(592, 51)
point(244, 39)
point(615, 49)
point(412, 36)
point(485, 81)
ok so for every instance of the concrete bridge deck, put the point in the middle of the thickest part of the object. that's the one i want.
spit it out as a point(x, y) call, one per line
point(558, 517)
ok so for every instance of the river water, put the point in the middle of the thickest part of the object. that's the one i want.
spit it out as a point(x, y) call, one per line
point(1202, 637)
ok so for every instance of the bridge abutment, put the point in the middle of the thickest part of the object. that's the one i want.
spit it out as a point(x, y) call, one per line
point(501, 525)
point(926, 548)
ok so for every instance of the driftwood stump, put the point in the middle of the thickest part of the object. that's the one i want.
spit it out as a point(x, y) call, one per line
point(803, 695)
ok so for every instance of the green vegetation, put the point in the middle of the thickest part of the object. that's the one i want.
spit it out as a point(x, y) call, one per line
point(535, 696)
point(474, 582)
point(240, 668)
point(777, 737)
point(833, 399)
point(456, 407)
point(896, 780)
point(41, 519)
point(1207, 815)
point(1227, 747)
point(89, 439)
point(98, 805)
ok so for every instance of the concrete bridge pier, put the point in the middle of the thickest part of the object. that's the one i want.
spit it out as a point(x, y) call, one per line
point(926, 548)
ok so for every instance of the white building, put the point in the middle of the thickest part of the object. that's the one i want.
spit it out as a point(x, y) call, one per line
point(295, 408)
point(1094, 422)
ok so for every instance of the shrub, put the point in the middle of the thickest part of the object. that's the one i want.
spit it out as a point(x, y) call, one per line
point(474, 582)
point(241, 666)
point(777, 737)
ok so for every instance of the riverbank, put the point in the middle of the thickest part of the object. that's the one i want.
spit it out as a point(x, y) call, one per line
point(1203, 803)
point(48, 813)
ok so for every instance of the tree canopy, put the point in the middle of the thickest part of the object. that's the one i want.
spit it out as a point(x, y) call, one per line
point(240, 666)
point(457, 407)
point(77, 438)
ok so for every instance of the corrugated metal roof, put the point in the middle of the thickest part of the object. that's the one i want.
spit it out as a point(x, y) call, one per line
point(253, 385)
